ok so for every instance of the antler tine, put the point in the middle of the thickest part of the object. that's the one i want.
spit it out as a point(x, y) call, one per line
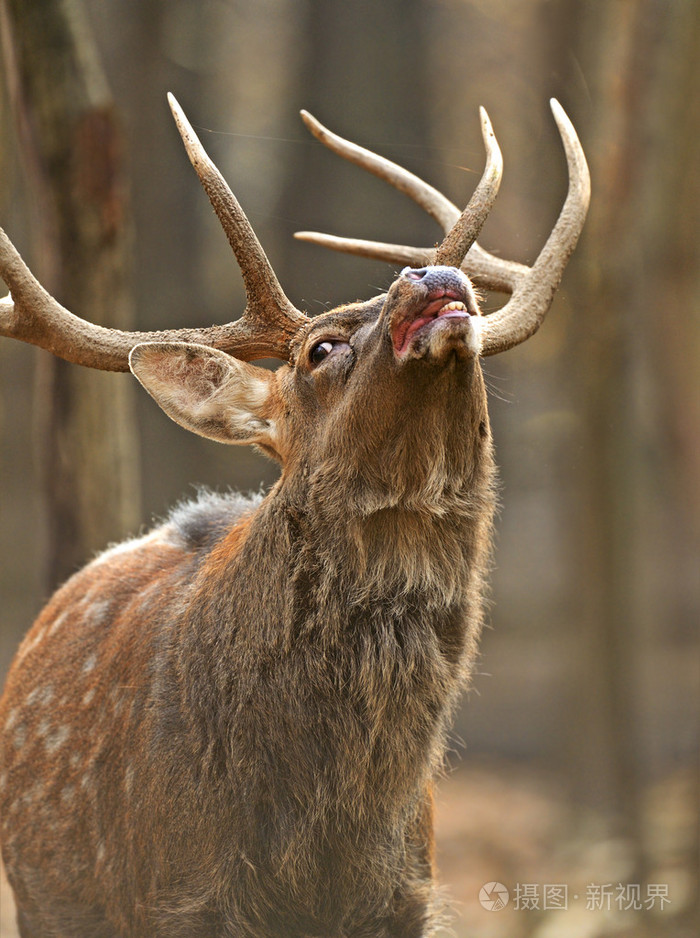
point(486, 269)
point(267, 303)
point(266, 329)
point(429, 199)
point(401, 254)
point(29, 313)
point(523, 313)
point(466, 229)
point(462, 229)
point(532, 288)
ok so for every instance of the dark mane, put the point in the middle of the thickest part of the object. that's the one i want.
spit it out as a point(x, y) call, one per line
point(204, 520)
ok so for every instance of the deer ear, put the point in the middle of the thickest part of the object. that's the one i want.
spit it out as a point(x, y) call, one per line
point(208, 391)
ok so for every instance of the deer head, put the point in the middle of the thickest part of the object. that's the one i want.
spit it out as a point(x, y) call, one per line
point(363, 363)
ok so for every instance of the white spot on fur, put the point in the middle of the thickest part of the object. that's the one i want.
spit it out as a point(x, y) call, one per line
point(11, 719)
point(20, 736)
point(100, 852)
point(89, 664)
point(58, 622)
point(41, 695)
point(129, 779)
point(30, 643)
point(56, 738)
point(99, 612)
point(87, 697)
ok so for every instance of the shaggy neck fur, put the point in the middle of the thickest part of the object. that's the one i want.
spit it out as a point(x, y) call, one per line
point(322, 720)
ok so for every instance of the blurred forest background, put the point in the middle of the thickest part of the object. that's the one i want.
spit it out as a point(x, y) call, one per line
point(576, 753)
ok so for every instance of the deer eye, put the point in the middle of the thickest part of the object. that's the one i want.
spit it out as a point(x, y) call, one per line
point(322, 350)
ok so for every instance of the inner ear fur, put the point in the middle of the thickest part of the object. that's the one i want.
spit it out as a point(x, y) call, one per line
point(207, 391)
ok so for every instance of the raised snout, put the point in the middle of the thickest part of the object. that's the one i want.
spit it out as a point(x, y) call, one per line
point(434, 279)
point(431, 308)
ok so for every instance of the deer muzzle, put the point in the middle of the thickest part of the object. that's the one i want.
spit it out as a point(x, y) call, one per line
point(435, 313)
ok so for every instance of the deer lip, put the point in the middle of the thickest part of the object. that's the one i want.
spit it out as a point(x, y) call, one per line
point(445, 307)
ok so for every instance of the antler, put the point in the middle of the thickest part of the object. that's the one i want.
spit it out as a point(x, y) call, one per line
point(531, 288)
point(466, 229)
point(266, 329)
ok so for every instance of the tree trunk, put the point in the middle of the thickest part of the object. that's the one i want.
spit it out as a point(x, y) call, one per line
point(71, 147)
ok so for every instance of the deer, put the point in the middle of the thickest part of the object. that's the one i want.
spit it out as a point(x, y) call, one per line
point(232, 724)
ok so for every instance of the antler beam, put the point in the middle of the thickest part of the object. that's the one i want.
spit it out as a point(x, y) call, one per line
point(531, 288)
point(533, 293)
point(466, 229)
point(266, 329)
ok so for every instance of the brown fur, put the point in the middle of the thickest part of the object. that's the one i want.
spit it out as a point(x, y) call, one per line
point(231, 727)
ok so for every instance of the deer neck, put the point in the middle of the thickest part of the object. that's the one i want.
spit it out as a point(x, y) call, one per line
point(311, 645)
point(312, 556)
point(409, 507)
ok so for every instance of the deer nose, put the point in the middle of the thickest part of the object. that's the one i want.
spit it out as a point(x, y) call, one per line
point(436, 278)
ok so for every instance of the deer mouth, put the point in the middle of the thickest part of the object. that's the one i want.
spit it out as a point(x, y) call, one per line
point(444, 308)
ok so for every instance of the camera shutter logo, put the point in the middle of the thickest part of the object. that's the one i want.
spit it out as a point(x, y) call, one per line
point(493, 897)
